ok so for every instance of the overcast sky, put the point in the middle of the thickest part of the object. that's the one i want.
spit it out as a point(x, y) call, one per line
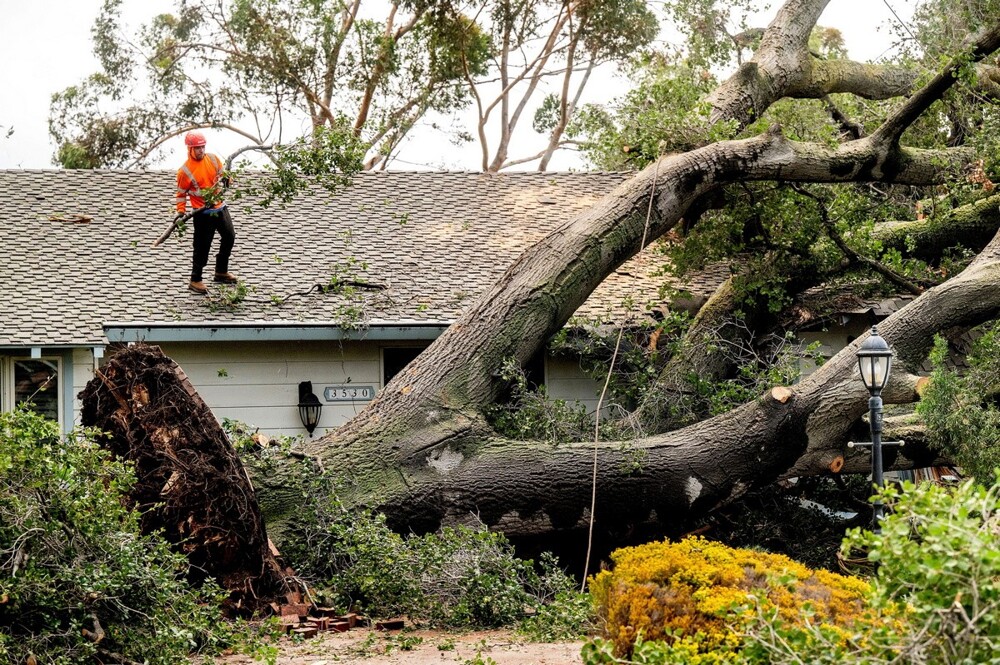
point(45, 47)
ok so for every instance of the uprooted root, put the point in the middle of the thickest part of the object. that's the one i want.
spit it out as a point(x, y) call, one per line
point(190, 484)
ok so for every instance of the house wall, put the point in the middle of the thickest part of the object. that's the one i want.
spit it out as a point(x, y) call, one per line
point(257, 382)
point(830, 343)
point(565, 380)
point(81, 372)
point(832, 340)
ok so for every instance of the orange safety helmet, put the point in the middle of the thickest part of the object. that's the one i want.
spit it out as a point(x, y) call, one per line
point(194, 139)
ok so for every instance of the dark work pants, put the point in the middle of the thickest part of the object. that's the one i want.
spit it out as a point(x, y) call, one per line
point(205, 226)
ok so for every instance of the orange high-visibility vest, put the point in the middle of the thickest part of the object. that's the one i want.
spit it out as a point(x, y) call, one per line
point(194, 178)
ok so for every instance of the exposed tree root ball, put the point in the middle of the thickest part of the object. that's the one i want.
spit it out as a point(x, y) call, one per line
point(190, 484)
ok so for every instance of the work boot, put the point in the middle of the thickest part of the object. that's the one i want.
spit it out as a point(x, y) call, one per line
point(198, 287)
point(225, 278)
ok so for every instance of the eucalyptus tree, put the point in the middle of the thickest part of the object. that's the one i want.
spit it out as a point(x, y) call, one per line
point(258, 68)
point(534, 40)
point(265, 69)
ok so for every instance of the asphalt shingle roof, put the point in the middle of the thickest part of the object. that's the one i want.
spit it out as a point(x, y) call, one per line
point(435, 239)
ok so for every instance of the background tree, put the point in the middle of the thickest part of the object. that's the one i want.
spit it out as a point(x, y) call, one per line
point(258, 68)
point(263, 70)
point(530, 45)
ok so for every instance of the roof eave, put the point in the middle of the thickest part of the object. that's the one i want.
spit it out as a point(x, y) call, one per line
point(271, 331)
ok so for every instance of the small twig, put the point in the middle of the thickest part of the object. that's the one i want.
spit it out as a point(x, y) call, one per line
point(312, 458)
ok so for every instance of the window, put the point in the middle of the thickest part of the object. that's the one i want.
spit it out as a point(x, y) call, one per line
point(36, 381)
point(395, 358)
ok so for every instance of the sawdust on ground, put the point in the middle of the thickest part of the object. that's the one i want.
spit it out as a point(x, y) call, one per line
point(419, 647)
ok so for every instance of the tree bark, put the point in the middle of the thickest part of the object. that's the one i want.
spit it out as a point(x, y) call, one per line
point(971, 226)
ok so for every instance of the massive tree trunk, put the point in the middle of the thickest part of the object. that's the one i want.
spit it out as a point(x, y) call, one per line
point(422, 452)
point(434, 463)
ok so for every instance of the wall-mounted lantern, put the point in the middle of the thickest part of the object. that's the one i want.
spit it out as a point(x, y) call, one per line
point(309, 407)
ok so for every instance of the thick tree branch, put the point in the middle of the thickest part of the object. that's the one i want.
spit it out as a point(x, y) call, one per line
point(782, 54)
point(823, 77)
point(540, 292)
point(796, 431)
point(971, 225)
point(783, 67)
point(914, 107)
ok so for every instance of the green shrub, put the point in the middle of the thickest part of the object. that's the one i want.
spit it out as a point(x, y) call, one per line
point(939, 554)
point(78, 581)
point(569, 616)
point(460, 577)
point(939, 558)
point(961, 409)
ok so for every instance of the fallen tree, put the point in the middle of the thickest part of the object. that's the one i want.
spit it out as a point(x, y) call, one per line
point(423, 452)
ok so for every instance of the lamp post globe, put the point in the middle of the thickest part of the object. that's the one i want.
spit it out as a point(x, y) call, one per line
point(875, 362)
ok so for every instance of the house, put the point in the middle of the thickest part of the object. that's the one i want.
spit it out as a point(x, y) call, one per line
point(343, 288)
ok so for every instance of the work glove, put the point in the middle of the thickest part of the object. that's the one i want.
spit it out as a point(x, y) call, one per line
point(226, 181)
point(178, 216)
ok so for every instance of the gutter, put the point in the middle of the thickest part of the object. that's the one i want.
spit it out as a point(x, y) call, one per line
point(270, 331)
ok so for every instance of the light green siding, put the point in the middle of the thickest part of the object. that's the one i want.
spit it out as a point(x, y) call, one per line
point(257, 382)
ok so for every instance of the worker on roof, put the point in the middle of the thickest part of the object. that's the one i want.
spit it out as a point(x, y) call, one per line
point(202, 179)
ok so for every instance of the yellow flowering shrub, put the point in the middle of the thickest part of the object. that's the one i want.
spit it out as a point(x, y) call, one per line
point(700, 594)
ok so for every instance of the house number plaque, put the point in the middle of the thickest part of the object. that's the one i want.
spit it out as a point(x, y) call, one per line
point(348, 393)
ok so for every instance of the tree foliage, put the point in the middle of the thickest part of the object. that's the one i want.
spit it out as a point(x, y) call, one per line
point(961, 406)
point(78, 581)
point(258, 68)
point(781, 239)
point(262, 70)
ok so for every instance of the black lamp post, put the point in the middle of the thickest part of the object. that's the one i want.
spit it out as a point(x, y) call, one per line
point(875, 363)
point(309, 406)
